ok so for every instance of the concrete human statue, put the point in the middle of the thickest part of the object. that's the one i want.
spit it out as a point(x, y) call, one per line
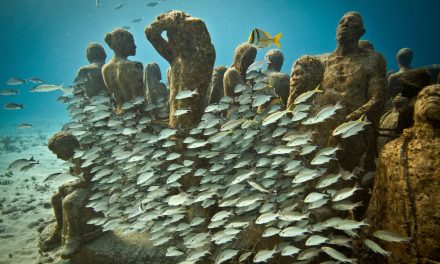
point(123, 77)
point(191, 55)
point(89, 77)
point(365, 44)
point(354, 77)
point(244, 56)
point(307, 73)
point(404, 58)
point(155, 91)
point(275, 59)
point(216, 86)
point(69, 204)
point(405, 196)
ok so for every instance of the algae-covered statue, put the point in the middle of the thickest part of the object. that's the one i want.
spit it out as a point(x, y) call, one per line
point(277, 80)
point(307, 73)
point(89, 77)
point(354, 77)
point(404, 58)
point(275, 60)
point(189, 51)
point(244, 56)
point(216, 86)
point(405, 196)
point(69, 204)
point(156, 91)
point(122, 77)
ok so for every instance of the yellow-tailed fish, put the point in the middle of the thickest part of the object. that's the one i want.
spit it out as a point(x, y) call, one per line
point(261, 39)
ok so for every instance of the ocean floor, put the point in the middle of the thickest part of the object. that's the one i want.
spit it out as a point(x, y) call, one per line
point(24, 197)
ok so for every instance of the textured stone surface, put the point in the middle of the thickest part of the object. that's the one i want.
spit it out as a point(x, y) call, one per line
point(405, 196)
point(155, 90)
point(244, 56)
point(89, 77)
point(189, 51)
point(63, 144)
point(216, 86)
point(122, 77)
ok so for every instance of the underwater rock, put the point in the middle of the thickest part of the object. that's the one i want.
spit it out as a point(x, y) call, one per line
point(63, 144)
point(122, 77)
point(404, 199)
point(215, 92)
point(189, 51)
point(89, 77)
point(244, 56)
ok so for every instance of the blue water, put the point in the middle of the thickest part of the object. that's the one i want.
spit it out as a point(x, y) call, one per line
point(48, 38)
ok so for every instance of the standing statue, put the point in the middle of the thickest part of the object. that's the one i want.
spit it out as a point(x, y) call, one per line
point(278, 81)
point(191, 55)
point(404, 58)
point(69, 204)
point(405, 196)
point(156, 91)
point(244, 56)
point(354, 77)
point(89, 77)
point(307, 73)
point(216, 86)
point(122, 77)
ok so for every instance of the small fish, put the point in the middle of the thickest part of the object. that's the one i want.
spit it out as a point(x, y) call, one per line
point(266, 218)
point(119, 6)
point(376, 248)
point(244, 256)
point(226, 255)
point(337, 255)
point(345, 193)
point(261, 99)
point(34, 80)
point(290, 251)
point(47, 88)
point(15, 81)
point(314, 196)
point(24, 126)
point(186, 94)
point(390, 236)
point(258, 186)
point(261, 39)
point(9, 92)
point(308, 254)
point(351, 127)
point(20, 163)
point(316, 240)
point(137, 20)
point(180, 112)
point(152, 4)
point(13, 106)
point(173, 252)
point(126, 27)
point(264, 254)
point(305, 96)
point(293, 231)
point(29, 166)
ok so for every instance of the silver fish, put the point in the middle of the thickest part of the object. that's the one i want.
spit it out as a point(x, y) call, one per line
point(9, 92)
point(15, 81)
point(305, 96)
point(376, 248)
point(13, 106)
point(186, 94)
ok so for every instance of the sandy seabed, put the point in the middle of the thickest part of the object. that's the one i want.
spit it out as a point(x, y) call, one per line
point(24, 197)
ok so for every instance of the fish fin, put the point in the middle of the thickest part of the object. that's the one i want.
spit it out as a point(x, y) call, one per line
point(317, 89)
point(276, 40)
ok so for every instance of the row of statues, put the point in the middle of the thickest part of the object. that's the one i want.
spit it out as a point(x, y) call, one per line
point(353, 75)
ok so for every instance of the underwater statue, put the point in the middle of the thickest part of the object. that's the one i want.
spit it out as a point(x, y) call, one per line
point(122, 77)
point(244, 56)
point(405, 196)
point(404, 58)
point(307, 73)
point(277, 80)
point(216, 87)
point(89, 77)
point(69, 204)
point(354, 77)
point(365, 44)
point(156, 91)
point(393, 122)
point(189, 51)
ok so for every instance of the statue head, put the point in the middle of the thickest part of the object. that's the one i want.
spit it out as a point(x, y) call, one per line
point(350, 28)
point(244, 56)
point(307, 72)
point(427, 106)
point(95, 53)
point(365, 44)
point(275, 58)
point(404, 57)
point(63, 144)
point(153, 71)
point(121, 42)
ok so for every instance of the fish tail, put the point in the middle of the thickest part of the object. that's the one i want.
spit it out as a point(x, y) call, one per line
point(318, 89)
point(21, 106)
point(276, 40)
